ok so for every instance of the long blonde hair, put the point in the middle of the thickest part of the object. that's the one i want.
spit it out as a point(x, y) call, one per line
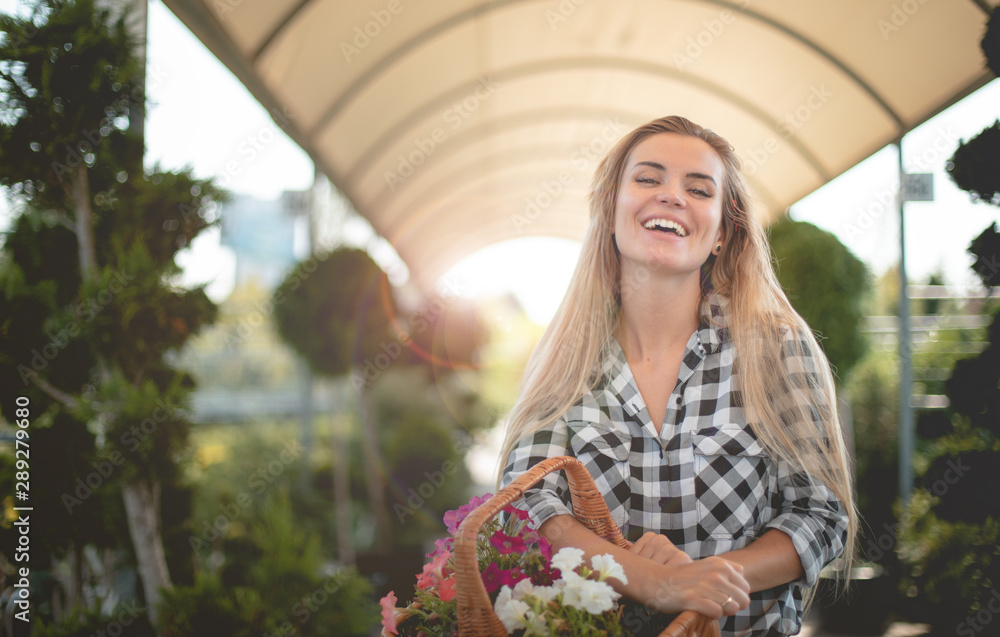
point(567, 361)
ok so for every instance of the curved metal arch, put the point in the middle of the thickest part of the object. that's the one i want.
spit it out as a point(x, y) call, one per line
point(522, 118)
point(383, 202)
point(464, 16)
point(528, 69)
point(276, 31)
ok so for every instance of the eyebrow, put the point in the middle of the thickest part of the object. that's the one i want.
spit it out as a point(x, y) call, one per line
point(659, 166)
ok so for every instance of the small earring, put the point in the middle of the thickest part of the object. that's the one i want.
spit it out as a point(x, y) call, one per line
point(718, 248)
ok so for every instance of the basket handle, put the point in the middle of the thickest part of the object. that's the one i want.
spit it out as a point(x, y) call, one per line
point(475, 613)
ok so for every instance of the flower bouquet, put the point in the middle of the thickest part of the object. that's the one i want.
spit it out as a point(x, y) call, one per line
point(533, 592)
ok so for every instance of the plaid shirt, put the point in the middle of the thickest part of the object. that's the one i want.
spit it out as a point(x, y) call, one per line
point(705, 481)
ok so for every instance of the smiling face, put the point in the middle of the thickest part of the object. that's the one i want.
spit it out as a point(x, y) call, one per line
point(668, 214)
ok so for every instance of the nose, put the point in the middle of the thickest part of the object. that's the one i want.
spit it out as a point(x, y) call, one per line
point(670, 194)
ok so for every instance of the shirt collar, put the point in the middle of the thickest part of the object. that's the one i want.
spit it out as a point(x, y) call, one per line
point(711, 335)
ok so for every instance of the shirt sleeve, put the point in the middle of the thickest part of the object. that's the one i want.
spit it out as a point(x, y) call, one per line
point(809, 512)
point(550, 496)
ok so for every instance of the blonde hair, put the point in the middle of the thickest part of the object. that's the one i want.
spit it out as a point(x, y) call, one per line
point(566, 363)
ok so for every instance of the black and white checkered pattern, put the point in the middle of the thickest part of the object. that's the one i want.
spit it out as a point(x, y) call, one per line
point(705, 481)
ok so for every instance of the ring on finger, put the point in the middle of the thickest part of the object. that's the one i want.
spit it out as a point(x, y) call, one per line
point(728, 600)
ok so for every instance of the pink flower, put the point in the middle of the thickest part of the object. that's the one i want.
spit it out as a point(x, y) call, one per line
point(446, 589)
point(511, 577)
point(442, 545)
point(389, 613)
point(453, 519)
point(545, 548)
point(520, 514)
point(434, 571)
point(505, 544)
point(491, 578)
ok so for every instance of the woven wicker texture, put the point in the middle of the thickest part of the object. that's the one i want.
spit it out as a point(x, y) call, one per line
point(475, 612)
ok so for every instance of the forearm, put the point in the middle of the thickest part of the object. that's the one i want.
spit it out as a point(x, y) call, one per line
point(713, 586)
point(770, 560)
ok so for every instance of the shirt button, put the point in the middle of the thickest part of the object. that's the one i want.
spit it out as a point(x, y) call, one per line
point(679, 400)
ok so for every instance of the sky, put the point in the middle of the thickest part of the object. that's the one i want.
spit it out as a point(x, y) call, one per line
point(201, 116)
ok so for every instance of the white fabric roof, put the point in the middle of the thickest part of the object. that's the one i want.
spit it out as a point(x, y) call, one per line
point(455, 124)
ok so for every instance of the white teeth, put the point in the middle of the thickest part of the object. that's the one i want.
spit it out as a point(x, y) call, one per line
point(666, 224)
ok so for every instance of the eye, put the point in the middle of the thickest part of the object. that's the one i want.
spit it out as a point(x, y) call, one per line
point(642, 179)
point(701, 192)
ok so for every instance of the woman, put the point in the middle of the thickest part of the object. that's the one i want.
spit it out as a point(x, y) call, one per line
point(678, 373)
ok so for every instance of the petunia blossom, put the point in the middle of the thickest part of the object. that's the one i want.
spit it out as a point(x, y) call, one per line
point(491, 577)
point(505, 544)
point(607, 567)
point(453, 519)
point(446, 589)
point(567, 559)
point(388, 604)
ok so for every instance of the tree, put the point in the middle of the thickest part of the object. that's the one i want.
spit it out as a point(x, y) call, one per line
point(335, 311)
point(88, 308)
point(826, 284)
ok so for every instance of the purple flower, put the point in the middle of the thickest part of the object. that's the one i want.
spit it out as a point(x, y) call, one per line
point(442, 545)
point(505, 544)
point(453, 519)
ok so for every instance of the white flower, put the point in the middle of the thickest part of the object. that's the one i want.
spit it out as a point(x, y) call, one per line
point(545, 594)
point(608, 567)
point(510, 611)
point(522, 589)
point(535, 625)
point(567, 559)
point(593, 597)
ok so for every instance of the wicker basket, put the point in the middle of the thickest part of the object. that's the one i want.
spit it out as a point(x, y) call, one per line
point(475, 612)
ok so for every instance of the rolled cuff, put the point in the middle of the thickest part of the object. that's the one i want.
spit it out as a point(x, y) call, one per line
point(816, 544)
point(543, 504)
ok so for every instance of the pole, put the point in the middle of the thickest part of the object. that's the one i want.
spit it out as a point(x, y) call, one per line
point(906, 427)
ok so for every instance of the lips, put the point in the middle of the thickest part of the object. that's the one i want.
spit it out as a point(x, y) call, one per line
point(660, 224)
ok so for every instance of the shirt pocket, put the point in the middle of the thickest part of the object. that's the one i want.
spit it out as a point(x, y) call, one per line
point(605, 454)
point(730, 482)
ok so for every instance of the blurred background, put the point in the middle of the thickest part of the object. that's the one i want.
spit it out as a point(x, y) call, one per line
point(271, 271)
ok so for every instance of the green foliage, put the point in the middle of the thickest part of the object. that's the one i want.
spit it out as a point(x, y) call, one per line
point(873, 393)
point(335, 311)
point(127, 620)
point(280, 590)
point(991, 42)
point(975, 166)
point(826, 284)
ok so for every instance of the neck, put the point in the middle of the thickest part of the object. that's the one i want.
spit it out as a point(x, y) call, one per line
point(659, 315)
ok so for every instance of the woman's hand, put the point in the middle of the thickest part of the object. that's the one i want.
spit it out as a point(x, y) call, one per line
point(712, 586)
point(658, 548)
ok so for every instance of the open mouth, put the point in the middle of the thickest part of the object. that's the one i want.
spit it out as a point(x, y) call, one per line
point(665, 225)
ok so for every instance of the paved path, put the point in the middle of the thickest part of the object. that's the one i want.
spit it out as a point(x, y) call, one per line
point(898, 629)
